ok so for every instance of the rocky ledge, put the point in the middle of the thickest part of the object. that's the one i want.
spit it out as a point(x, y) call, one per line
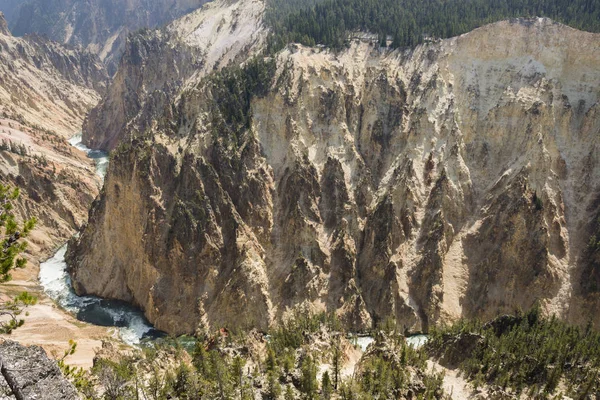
point(28, 373)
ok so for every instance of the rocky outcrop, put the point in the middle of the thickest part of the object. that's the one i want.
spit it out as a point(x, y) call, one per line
point(57, 184)
point(100, 27)
point(3, 25)
point(455, 179)
point(28, 373)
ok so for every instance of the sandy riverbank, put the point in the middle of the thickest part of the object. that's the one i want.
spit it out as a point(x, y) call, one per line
point(58, 183)
point(48, 326)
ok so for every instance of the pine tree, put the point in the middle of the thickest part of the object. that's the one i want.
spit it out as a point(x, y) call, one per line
point(237, 374)
point(326, 388)
point(273, 387)
point(271, 361)
point(309, 383)
point(12, 244)
point(336, 361)
point(289, 393)
point(200, 359)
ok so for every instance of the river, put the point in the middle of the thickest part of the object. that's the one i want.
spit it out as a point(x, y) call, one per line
point(133, 326)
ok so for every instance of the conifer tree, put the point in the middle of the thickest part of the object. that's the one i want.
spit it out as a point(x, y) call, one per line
point(11, 246)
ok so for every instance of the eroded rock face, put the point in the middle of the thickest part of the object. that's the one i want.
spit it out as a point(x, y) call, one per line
point(57, 185)
point(157, 64)
point(45, 92)
point(3, 25)
point(100, 27)
point(455, 179)
point(45, 84)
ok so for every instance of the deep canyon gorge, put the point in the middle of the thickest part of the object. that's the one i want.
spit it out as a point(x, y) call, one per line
point(300, 199)
point(456, 179)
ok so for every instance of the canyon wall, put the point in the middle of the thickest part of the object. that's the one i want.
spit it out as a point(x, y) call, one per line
point(454, 179)
point(46, 91)
point(157, 66)
point(100, 27)
point(45, 84)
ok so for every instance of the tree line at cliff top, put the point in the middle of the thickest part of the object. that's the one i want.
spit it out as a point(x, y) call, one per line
point(410, 22)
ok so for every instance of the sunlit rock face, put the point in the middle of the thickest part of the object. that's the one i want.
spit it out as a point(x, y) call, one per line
point(46, 90)
point(455, 179)
point(46, 84)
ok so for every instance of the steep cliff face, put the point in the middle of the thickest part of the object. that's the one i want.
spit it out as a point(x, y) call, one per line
point(455, 179)
point(45, 92)
point(45, 84)
point(157, 64)
point(3, 25)
point(100, 27)
point(57, 184)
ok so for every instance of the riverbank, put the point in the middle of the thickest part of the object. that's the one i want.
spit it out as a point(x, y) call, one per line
point(130, 322)
point(50, 327)
point(58, 182)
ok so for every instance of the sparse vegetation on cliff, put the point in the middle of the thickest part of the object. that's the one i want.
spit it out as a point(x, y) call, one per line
point(232, 89)
point(331, 198)
point(590, 277)
point(11, 243)
point(11, 246)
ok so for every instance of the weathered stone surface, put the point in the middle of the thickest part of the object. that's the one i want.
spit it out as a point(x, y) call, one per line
point(45, 84)
point(32, 374)
point(100, 27)
point(451, 180)
point(3, 25)
point(45, 92)
point(157, 64)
